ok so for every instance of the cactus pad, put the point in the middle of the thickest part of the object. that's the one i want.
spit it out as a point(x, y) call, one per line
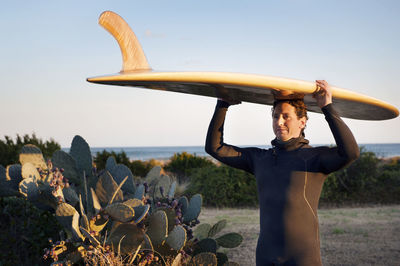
point(184, 204)
point(69, 218)
point(171, 192)
point(230, 240)
point(119, 172)
point(154, 174)
point(13, 175)
point(133, 203)
point(217, 228)
point(80, 151)
point(193, 209)
point(70, 195)
point(29, 188)
point(91, 238)
point(120, 212)
point(132, 237)
point(205, 245)
point(222, 258)
point(61, 159)
point(140, 212)
point(147, 245)
point(139, 192)
point(32, 154)
point(163, 183)
point(97, 223)
point(29, 170)
point(105, 188)
point(110, 163)
point(205, 258)
point(158, 227)
point(95, 200)
point(177, 238)
point(201, 231)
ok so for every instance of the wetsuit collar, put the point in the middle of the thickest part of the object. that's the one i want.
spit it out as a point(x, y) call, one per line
point(291, 144)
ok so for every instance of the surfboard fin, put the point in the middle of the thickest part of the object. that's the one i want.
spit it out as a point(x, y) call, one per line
point(133, 58)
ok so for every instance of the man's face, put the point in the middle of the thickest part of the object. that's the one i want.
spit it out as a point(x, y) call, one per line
point(285, 123)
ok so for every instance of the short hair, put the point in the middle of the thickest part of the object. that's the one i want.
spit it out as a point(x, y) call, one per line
point(298, 104)
point(300, 109)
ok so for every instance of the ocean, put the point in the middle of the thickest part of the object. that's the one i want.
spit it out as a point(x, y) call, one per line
point(163, 153)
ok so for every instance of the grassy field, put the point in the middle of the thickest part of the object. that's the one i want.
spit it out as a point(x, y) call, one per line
point(349, 236)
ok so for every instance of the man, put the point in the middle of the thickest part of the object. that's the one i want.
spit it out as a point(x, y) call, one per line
point(289, 176)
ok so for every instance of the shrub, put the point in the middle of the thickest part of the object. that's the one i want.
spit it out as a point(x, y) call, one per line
point(138, 168)
point(25, 231)
point(9, 150)
point(182, 164)
point(224, 186)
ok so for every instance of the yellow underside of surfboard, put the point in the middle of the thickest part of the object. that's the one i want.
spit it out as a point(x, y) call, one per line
point(236, 86)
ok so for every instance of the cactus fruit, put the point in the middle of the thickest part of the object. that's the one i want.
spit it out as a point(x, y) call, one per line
point(29, 170)
point(69, 218)
point(80, 151)
point(32, 154)
point(119, 173)
point(230, 240)
point(177, 238)
point(120, 212)
point(61, 159)
point(126, 236)
point(29, 188)
point(205, 245)
point(193, 209)
point(201, 231)
point(140, 212)
point(13, 175)
point(205, 258)
point(158, 228)
point(105, 188)
point(216, 228)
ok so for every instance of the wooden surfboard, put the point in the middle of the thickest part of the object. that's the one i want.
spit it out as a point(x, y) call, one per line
point(261, 89)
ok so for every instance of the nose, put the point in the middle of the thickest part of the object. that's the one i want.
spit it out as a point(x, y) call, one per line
point(281, 121)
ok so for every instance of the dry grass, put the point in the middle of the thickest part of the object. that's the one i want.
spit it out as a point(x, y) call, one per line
point(349, 236)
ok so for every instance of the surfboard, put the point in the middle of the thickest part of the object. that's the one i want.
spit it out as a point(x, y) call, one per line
point(261, 89)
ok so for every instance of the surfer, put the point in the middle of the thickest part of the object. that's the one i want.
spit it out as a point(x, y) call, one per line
point(289, 176)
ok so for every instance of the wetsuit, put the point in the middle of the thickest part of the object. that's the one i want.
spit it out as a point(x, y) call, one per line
point(289, 178)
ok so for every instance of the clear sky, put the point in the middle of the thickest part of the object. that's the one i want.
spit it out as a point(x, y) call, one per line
point(49, 48)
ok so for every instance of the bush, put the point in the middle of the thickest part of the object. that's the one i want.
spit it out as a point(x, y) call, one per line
point(9, 150)
point(224, 186)
point(25, 231)
point(367, 180)
point(182, 165)
point(137, 167)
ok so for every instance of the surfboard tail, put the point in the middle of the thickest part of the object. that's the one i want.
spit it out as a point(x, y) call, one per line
point(133, 57)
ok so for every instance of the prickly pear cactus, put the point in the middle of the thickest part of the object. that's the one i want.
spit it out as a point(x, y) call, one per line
point(177, 238)
point(32, 154)
point(105, 189)
point(158, 228)
point(205, 258)
point(80, 151)
point(61, 159)
point(194, 208)
point(126, 238)
point(230, 240)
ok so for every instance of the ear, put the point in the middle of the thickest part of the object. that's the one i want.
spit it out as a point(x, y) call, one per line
point(303, 122)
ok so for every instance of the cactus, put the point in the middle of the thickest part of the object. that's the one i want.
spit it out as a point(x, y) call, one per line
point(61, 159)
point(171, 192)
point(184, 202)
point(205, 245)
point(201, 231)
point(139, 193)
point(158, 227)
point(80, 151)
point(193, 209)
point(98, 223)
point(29, 188)
point(110, 163)
point(140, 212)
point(133, 203)
point(105, 188)
point(147, 245)
point(230, 240)
point(120, 212)
point(69, 218)
point(222, 258)
point(32, 154)
point(13, 175)
point(162, 187)
point(216, 228)
point(29, 170)
point(95, 200)
point(126, 236)
point(91, 238)
point(70, 195)
point(205, 258)
point(177, 238)
point(119, 172)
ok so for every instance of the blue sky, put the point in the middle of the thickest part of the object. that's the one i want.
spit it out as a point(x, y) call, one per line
point(49, 48)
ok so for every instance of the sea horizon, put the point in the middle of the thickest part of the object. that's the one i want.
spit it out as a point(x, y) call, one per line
point(145, 153)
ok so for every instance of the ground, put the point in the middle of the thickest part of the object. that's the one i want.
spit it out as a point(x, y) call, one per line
point(349, 236)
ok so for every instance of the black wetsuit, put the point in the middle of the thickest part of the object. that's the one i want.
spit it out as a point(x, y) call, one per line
point(289, 181)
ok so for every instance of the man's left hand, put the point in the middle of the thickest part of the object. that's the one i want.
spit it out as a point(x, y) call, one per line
point(323, 93)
